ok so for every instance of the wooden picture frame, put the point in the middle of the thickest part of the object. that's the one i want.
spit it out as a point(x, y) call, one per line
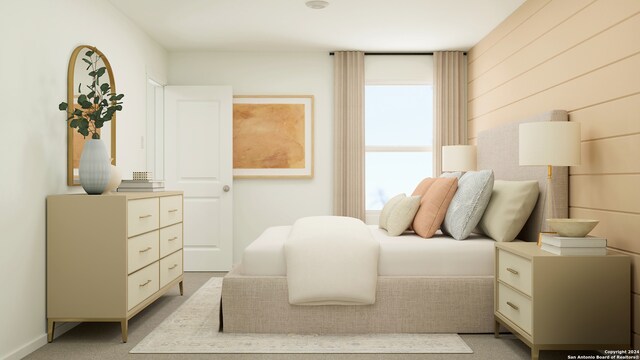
point(273, 136)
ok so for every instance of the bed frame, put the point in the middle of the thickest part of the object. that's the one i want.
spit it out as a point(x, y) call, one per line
point(413, 304)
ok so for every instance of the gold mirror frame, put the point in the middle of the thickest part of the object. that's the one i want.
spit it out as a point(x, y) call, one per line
point(71, 100)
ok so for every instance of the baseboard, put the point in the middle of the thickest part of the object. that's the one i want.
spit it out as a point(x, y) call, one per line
point(37, 343)
point(26, 349)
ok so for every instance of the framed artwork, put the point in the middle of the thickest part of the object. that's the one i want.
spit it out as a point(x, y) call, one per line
point(273, 136)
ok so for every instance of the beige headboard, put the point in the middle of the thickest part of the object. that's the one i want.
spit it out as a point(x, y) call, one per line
point(498, 150)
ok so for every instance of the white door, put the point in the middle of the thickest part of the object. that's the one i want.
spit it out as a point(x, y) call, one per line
point(198, 160)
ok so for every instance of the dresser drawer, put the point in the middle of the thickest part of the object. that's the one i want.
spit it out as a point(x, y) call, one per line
point(170, 210)
point(170, 239)
point(142, 284)
point(170, 268)
point(142, 250)
point(142, 216)
point(515, 271)
point(516, 307)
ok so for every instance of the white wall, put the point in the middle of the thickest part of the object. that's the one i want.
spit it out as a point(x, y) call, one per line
point(261, 203)
point(37, 39)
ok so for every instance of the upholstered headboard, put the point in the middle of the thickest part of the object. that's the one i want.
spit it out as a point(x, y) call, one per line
point(498, 150)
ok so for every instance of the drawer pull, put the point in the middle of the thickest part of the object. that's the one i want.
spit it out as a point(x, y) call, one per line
point(173, 267)
point(515, 272)
point(515, 307)
point(147, 249)
point(173, 210)
point(145, 284)
point(145, 216)
point(173, 238)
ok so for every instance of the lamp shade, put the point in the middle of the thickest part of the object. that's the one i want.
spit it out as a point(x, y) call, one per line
point(554, 143)
point(459, 158)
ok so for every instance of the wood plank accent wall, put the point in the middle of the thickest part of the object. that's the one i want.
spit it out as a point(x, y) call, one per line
point(582, 56)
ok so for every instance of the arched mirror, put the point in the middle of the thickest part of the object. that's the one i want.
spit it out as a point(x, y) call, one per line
point(83, 60)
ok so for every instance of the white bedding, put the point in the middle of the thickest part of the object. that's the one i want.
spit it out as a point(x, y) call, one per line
point(321, 266)
point(406, 255)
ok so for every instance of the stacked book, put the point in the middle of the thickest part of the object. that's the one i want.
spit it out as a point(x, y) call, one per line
point(560, 245)
point(141, 186)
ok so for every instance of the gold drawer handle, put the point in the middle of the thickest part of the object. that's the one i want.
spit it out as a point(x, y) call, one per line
point(173, 238)
point(515, 272)
point(146, 283)
point(145, 216)
point(173, 267)
point(173, 210)
point(147, 249)
point(515, 307)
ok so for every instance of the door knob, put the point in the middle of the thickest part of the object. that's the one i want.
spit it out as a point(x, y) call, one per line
point(226, 188)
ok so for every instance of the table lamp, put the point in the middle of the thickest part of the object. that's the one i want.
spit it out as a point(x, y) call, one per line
point(550, 143)
point(459, 158)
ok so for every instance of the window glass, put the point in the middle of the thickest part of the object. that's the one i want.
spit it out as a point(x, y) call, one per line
point(398, 115)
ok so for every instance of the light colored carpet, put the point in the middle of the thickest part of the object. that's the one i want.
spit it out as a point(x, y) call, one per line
point(193, 328)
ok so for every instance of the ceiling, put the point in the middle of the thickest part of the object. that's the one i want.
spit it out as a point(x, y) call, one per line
point(288, 25)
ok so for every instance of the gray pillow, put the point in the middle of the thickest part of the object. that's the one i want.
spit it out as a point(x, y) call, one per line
point(468, 204)
point(453, 174)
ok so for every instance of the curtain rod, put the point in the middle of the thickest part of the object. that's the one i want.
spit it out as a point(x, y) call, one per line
point(396, 53)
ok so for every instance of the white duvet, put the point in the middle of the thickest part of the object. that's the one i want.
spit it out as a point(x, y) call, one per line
point(331, 260)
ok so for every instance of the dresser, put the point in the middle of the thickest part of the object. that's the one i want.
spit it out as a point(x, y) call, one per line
point(553, 302)
point(110, 256)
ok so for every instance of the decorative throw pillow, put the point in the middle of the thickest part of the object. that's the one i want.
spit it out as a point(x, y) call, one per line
point(436, 196)
point(468, 204)
point(386, 210)
point(402, 215)
point(509, 208)
point(455, 174)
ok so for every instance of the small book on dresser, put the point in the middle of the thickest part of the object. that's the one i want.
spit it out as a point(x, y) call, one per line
point(574, 250)
point(574, 242)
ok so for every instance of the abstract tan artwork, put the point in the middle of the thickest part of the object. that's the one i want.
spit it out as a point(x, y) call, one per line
point(269, 136)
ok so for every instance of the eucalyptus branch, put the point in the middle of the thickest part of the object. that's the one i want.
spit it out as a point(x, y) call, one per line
point(92, 111)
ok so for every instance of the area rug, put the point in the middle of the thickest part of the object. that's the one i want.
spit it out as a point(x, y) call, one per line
point(193, 328)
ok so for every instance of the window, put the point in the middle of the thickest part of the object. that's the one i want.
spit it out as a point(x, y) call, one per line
point(398, 140)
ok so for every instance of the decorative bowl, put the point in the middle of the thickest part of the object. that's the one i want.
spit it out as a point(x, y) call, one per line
point(572, 227)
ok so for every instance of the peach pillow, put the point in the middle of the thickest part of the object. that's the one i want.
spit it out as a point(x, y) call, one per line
point(436, 196)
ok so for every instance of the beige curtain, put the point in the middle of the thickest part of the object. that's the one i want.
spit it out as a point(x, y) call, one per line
point(450, 102)
point(348, 115)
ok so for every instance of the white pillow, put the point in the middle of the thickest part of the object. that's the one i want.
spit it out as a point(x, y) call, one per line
point(468, 204)
point(509, 208)
point(386, 210)
point(402, 215)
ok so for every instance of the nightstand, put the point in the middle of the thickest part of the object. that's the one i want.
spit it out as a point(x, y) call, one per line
point(553, 302)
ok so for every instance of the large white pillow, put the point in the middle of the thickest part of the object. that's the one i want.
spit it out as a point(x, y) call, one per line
point(468, 204)
point(509, 208)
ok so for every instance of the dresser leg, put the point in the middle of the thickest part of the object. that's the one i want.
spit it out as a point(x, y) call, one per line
point(496, 329)
point(180, 284)
point(50, 327)
point(124, 326)
point(535, 353)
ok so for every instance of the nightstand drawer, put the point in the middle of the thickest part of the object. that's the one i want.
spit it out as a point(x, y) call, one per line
point(142, 250)
point(170, 268)
point(170, 239)
point(142, 216)
point(170, 210)
point(515, 271)
point(142, 284)
point(515, 307)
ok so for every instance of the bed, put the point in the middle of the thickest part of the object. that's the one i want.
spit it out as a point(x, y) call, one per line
point(423, 285)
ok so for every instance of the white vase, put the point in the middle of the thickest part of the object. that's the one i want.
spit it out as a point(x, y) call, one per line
point(114, 180)
point(95, 168)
